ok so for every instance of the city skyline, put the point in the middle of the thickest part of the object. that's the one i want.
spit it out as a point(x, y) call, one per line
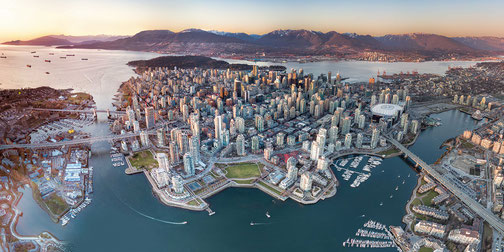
point(29, 19)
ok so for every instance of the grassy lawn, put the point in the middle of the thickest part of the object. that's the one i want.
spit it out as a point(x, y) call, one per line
point(466, 144)
point(79, 97)
point(55, 204)
point(389, 152)
point(143, 160)
point(428, 198)
point(416, 202)
point(244, 182)
point(243, 170)
point(425, 249)
point(270, 188)
point(193, 203)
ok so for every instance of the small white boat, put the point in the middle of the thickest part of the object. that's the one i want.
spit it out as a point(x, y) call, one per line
point(381, 203)
point(268, 215)
point(252, 223)
point(397, 188)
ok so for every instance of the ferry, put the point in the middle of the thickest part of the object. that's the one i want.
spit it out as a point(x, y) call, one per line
point(28, 65)
point(48, 61)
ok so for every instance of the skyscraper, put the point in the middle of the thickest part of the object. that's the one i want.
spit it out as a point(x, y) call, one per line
point(348, 141)
point(150, 120)
point(194, 148)
point(218, 129)
point(177, 184)
point(375, 138)
point(160, 137)
point(189, 164)
point(240, 145)
point(306, 181)
point(163, 161)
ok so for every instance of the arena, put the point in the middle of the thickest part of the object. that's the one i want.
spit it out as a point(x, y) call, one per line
point(386, 111)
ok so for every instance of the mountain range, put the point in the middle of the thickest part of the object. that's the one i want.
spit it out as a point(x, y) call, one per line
point(285, 43)
point(60, 40)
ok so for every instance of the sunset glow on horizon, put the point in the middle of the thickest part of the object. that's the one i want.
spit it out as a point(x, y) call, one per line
point(27, 19)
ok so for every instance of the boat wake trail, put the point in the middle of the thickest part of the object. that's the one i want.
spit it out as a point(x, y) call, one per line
point(148, 216)
point(259, 223)
point(153, 218)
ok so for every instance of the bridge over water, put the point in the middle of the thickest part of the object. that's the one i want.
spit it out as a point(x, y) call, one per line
point(479, 209)
point(72, 142)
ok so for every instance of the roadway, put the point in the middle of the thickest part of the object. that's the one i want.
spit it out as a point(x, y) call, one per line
point(87, 111)
point(72, 142)
point(479, 209)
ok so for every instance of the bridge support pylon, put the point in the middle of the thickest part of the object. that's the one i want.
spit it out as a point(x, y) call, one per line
point(108, 113)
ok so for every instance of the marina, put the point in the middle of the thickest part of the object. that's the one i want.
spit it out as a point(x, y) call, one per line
point(382, 238)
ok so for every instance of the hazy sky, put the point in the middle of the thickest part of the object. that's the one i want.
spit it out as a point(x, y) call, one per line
point(25, 19)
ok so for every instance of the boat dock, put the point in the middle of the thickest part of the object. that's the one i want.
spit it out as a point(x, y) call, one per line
point(210, 212)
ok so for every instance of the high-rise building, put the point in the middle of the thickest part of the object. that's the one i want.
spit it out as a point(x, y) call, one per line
point(346, 125)
point(414, 126)
point(163, 161)
point(218, 130)
point(144, 138)
point(150, 120)
point(348, 141)
point(333, 134)
point(255, 144)
point(268, 152)
point(177, 184)
point(259, 121)
point(315, 151)
point(194, 148)
point(306, 181)
point(174, 155)
point(361, 121)
point(358, 142)
point(189, 164)
point(322, 164)
point(240, 122)
point(160, 137)
point(280, 139)
point(375, 137)
point(240, 145)
point(136, 126)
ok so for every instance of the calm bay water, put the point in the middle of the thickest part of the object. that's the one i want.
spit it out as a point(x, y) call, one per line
point(124, 214)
